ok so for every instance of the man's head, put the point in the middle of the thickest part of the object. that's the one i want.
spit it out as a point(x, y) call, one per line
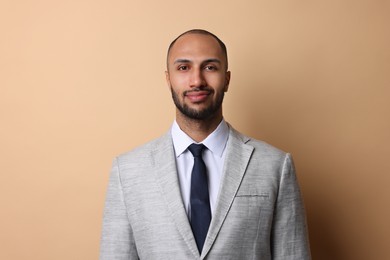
point(204, 32)
point(197, 74)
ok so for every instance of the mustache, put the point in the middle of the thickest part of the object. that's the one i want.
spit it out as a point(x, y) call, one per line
point(198, 89)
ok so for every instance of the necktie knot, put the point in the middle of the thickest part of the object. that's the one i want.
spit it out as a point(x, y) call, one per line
point(196, 149)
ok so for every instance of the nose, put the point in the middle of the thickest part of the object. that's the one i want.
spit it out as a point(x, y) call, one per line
point(197, 79)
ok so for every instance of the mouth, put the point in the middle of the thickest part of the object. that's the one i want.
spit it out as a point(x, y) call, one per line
point(197, 96)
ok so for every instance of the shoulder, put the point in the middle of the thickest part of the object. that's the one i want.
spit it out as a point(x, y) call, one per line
point(144, 153)
point(260, 147)
point(266, 161)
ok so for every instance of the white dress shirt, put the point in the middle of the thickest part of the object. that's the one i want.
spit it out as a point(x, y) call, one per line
point(213, 156)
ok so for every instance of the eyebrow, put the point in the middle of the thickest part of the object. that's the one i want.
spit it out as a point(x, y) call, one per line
point(189, 61)
point(181, 61)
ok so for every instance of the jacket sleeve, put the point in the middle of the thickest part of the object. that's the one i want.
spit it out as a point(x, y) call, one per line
point(289, 238)
point(117, 242)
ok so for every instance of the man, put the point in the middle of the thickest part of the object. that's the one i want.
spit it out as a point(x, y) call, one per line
point(203, 190)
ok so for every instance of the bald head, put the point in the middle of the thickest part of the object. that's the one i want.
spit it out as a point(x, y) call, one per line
point(201, 32)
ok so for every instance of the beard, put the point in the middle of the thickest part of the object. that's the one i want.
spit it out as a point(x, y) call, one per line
point(197, 114)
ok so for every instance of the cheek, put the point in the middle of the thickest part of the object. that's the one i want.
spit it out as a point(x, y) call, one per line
point(216, 80)
point(178, 80)
point(219, 84)
point(177, 90)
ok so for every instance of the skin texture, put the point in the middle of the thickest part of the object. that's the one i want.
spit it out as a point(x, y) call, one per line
point(197, 77)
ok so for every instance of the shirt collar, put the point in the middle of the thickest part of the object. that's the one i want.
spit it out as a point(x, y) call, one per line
point(215, 142)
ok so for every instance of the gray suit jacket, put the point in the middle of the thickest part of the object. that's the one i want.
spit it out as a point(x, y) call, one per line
point(259, 213)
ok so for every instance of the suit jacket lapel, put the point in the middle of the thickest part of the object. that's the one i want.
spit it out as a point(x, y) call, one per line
point(166, 176)
point(237, 158)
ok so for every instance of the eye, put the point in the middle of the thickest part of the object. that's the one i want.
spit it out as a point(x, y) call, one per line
point(210, 67)
point(182, 67)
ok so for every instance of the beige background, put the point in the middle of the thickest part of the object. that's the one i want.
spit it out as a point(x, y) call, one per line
point(82, 81)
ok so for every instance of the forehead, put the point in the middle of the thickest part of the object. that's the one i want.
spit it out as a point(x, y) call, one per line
point(195, 46)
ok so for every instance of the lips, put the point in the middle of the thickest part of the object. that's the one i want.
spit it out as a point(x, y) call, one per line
point(197, 96)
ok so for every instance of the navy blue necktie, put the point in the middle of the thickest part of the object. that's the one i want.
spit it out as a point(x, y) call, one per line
point(199, 199)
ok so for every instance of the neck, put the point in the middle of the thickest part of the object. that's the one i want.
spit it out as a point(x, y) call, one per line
point(198, 129)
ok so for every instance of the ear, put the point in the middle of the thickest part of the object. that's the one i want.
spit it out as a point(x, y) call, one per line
point(227, 81)
point(167, 79)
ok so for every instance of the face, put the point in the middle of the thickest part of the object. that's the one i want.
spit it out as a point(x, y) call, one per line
point(197, 76)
